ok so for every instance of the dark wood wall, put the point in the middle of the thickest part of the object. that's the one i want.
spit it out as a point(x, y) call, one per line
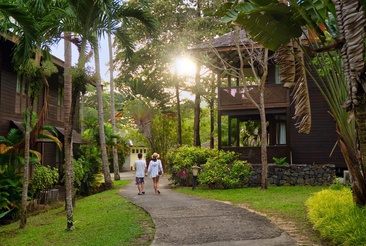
point(318, 146)
point(8, 79)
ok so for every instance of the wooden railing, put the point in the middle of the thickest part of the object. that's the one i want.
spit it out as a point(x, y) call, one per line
point(253, 154)
point(232, 98)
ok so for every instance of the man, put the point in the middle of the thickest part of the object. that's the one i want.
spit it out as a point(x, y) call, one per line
point(140, 167)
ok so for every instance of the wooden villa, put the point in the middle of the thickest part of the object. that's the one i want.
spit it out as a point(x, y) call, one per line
point(13, 104)
point(235, 110)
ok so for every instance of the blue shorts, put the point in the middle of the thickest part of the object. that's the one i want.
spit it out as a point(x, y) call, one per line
point(139, 180)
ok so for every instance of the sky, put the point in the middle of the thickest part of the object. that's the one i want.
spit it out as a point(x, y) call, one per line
point(184, 65)
point(58, 51)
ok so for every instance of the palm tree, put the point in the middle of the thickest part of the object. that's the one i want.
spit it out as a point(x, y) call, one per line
point(32, 33)
point(93, 19)
point(113, 118)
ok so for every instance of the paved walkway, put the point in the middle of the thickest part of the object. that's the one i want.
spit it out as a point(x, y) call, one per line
point(187, 220)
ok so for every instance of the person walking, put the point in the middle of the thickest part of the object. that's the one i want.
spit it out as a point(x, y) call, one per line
point(140, 167)
point(155, 169)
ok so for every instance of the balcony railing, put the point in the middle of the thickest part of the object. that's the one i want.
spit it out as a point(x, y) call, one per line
point(232, 98)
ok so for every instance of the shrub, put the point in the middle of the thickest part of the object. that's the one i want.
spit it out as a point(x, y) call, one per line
point(333, 213)
point(224, 171)
point(45, 177)
point(10, 191)
point(181, 160)
point(280, 161)
point(219, 169)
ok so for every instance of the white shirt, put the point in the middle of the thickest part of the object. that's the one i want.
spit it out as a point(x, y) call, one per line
point(140, 166)
point(154, 167)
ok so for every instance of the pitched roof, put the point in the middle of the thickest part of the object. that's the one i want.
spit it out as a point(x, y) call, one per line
point(223, 48)
point(227, 40)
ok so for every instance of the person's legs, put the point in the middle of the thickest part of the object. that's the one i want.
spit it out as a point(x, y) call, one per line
point(154, 183)
point(157, 185)
point(142, 186)
point(138, 183)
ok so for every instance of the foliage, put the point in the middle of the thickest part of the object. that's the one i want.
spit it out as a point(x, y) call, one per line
point(180, 161)
point(250, 132)
point(89, 164)
point(224, 171)
point(105, 209)
point(334, 215)
point(10, 190)
point(280, 161)
point(45, 177)
point(219, 169)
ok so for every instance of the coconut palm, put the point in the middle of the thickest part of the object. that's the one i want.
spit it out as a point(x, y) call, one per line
point(92, 18)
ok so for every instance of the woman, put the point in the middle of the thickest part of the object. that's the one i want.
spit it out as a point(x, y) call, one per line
point(155, 169)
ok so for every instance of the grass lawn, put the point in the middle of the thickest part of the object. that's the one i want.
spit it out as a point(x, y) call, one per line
point(282, 203)
point(105, 218)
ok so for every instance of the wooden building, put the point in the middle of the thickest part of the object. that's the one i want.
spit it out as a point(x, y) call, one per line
point(235, 110)
point(13, 104)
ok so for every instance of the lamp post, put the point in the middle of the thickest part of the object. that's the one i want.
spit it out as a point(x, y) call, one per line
point(195, 170)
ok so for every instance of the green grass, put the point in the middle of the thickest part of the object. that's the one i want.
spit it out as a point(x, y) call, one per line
point(105, 218)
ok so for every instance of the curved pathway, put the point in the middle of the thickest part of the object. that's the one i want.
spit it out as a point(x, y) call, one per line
point(187, 220)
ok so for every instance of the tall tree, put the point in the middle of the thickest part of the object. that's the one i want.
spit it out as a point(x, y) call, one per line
point(32, 32)
point(68, 150)
point(113, 117)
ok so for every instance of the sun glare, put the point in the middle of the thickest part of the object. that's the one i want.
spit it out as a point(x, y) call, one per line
point(185, 66)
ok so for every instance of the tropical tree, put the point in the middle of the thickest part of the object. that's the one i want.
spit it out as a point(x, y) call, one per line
point(32, 27)
point(262, 19)
point(113, 118)
point(182, 25)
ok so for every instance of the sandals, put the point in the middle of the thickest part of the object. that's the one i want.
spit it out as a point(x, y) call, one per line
point(158, 191)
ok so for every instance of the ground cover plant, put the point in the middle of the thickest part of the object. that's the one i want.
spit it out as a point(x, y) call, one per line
point(105, 218)
point(336, 217)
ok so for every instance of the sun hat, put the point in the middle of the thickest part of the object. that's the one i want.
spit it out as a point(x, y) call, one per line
point(156, 155)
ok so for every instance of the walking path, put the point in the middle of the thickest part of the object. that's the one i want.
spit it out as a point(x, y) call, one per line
point(187, 220)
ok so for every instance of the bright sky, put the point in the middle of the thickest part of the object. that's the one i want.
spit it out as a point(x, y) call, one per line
point(58, 51)
point(184, 66)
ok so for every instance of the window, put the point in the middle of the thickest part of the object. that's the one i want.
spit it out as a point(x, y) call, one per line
point(277, 75)
point(20, 95)
point(280, 133)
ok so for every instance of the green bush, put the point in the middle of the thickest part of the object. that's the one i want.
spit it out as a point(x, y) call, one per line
point(333, 213)
point(45, 177)
point(219, 169)
point(224, 171)
point(10, 191)
point(181, 160)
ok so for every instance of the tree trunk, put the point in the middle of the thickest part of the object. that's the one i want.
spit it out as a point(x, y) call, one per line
point(179, 120)
point(358, 173)
point(113, 118)
point(262, 113)
point(68, 123)
point(23, 213)
point(212, 114)
point(106, 171)
point(197, 108)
